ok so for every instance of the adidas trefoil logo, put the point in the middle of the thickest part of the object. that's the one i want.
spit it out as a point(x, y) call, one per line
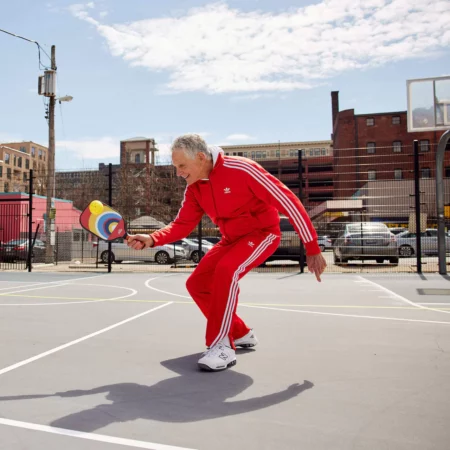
point(227, 190)
point(251, 244)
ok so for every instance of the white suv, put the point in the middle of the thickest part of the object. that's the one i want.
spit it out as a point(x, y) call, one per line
point(164, 254)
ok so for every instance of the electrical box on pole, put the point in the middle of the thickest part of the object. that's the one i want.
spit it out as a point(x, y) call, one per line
point(47, 84)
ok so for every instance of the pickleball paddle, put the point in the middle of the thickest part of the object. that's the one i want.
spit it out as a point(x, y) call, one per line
point(103, 221)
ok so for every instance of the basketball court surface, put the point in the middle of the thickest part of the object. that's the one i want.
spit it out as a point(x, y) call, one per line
point(102, 362)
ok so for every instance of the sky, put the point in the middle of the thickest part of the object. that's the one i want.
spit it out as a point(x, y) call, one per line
point(235, 71)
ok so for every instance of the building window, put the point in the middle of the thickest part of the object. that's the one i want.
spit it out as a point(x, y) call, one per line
point(40, 154)
point(253, 155)
point(292, 153)
point(6, 187)
point(245, 154)
point(371, 146)
point(277, 153)
point(398, 174)
point(23, 149)
point(33, 151)
point(19, 161)
point(1, 171)
point(371, 175)
point(424, 145)
point(137, 158)
point(15, 161)
point(395, 120)
point(24, 176)
point(397, 146)
point(323, 151)
point(7, 158)
point(446, 173)
point(27, 164)
point(370, 122)
point(317, 152)
point(426, 172)
point(8, 173)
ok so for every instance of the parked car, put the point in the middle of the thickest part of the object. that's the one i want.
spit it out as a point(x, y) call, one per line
point(191, 248)
point(429, 242)
point(365, 241)
point(17, 249)
point(397, 230)
point(325, 243)
point(163, 254)
point(289, 247)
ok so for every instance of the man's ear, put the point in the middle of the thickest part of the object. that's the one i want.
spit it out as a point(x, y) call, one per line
point(201, 156)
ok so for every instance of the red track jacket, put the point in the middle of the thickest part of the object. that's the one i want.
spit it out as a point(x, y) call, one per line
point(240, 197)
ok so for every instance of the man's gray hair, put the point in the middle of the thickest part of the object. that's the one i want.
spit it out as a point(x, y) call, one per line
point(192, 144)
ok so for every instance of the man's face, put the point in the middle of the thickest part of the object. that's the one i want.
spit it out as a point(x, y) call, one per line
point(190, 169)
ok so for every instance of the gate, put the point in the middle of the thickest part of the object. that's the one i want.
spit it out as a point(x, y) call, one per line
point(14, 233)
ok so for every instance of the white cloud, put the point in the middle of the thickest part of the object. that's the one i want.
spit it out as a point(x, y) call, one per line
point(240, 137)
point(91, 148)
point(218, 49)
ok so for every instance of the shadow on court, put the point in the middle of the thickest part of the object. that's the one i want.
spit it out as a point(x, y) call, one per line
point(192, 396)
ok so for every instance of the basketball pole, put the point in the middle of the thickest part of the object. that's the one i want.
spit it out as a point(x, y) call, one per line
point(440, 201)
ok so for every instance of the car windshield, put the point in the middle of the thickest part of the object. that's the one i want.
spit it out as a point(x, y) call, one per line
point(367, 228)
point(17, 242)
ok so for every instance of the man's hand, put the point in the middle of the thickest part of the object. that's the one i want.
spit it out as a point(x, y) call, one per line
point(140, 241)
point(316, 265)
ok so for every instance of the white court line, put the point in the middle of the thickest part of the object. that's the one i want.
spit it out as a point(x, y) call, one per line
point(347, 315)
point(313, 312)
point(90, 436)
point(165, 292)
point(77, 341)
point(51, 282)
point(134, 292)
point(417, 305)
point(428, 303)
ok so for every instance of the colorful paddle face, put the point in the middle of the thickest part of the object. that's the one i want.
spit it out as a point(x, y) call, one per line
point(103, 221)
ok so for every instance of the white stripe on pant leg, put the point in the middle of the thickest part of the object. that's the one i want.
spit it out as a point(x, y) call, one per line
point(228, 316)
point(235, 283)
point(277, 193)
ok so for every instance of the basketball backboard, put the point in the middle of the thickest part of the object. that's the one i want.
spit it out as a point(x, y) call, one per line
point(428, 104)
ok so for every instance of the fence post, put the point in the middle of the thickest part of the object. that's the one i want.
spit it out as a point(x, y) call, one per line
point(30, 219)
point(300, 196)
point(110, 204)
point(417, 206)
point(200, 237)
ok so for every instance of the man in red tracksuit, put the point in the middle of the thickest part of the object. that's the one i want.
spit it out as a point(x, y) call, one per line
point(243, 199)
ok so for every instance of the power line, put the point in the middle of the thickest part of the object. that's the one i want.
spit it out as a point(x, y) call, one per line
point(33, 42)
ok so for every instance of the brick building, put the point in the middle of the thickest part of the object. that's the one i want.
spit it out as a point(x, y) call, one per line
point(17, 160)
point(281, 160)
point(377, 146)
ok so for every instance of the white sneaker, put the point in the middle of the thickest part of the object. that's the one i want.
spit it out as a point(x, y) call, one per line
point(247, 341)
point(219, 357)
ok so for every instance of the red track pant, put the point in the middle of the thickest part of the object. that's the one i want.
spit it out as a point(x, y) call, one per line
point(214, 283)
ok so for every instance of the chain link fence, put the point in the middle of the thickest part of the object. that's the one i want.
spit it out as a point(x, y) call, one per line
point(352, 196)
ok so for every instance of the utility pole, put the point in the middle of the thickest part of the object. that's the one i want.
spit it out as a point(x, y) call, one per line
point(49, 221)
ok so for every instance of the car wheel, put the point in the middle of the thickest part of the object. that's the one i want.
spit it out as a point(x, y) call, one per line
point(336, 260)
point(162, 258)
point(406, 251)
point(195, 256)
point(322, 247)
point(104, 257)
